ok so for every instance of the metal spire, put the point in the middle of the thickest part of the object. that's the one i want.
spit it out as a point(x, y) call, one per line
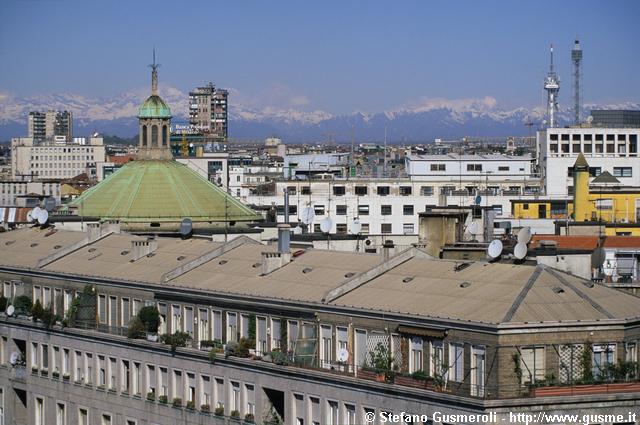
point(154, 74)
point(552, 86)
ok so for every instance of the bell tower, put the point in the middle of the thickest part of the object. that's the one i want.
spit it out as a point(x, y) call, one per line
point(154, 122)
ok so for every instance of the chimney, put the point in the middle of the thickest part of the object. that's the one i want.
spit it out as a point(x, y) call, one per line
point(94, 231)
point(142, 248)
point(272, 261)
point(387, 247)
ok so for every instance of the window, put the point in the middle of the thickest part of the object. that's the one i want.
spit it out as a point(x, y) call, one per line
point(363, 210)
point(292, 334)
point(383, 190)
point(164, 381)
point(477, 371)
point(45, 357)
point(503, 168)
point(232, 327)
point(102, 308)
point(532, 364)
point(332, 413)
point(291, 190)
point(456, 362)
point(437, 367)
point(426, 190)
point(219, 392)
point(39, 411)
point(385, 209)
point(61, 414)
point(415, 355)
point(126, 311)
point(385, 228)
point(622, 172)
point(318, 209)
point(349, 414)
point(102, 372)
point(124, 376)
point(151, 379)
point(191, 387)
point(88, 372)
point(298, 409)
point(83, 416)
point(244, 325)
point(405, 190)
point(176, 316)
point(603, 357)
point(341, 228)
point(361, 190)
point(106, 418)
point(474, 167)
point(276, 334)
point(137, 378)
point(305, 190)
point(250, 397)
point(235, 396)
point(341, 210)
point(408, 228)
point(325, 346)
point(338, 190)
point(177, 388)
point(438, 167)
point(407, 209)
point(205, 390)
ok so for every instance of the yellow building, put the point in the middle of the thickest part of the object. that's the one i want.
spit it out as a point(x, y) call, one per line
point(605, 200)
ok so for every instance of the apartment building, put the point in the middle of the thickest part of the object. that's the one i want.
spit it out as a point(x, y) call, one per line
point(50, 125)
point(56, 160)
point(606, 149)
point(12, 190)
point(208, 111)
point(454, 337)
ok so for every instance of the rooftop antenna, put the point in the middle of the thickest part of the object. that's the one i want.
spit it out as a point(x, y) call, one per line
point(576, 58)
point(552, 86)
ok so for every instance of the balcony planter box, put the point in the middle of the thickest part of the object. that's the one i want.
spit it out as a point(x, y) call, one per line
point(177, 403)
point(409, 381)
point(34, 369)
point(205, 408)
point(369, 375)
point(219, 411)
point(191, 405)
point(559, 391)
point(66, 377)
point(151, 396)
point(162, 399)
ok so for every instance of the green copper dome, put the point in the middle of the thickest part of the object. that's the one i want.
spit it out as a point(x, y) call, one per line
point(154, 107)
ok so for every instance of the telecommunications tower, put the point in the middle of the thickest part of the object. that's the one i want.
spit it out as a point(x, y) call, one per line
point(576, 59)
point(552, 86)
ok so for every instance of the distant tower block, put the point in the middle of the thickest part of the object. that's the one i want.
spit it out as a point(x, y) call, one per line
point(552, 86)
point(576, 59)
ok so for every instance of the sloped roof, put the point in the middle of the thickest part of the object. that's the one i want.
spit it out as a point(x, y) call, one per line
point(586, 242)
point(622, 242)
point(160, 191)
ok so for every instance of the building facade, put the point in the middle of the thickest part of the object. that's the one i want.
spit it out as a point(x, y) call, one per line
point(50, 125)
point(606, 149)
point(330, 338)
point(208, 107)
point(31, 159)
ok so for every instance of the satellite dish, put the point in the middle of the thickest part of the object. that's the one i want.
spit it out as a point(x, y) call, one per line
point(520, 250)
point(478, 200)
point(30, 217)
point(597, 258)
point(356, 227)
point(35, 213)
point(297, 230)
point(590, 119)
point(15, 358)
point(186, 227)
point(43, 217)
point(343, 355)
point(11, 310)
point(524, 235)
point(326, 225)
point(473, 227)
point(307, 216)
point(495, 248)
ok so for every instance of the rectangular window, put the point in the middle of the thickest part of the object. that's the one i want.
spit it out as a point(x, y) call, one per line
point(503, 168)
point(603, 358)
point(217, 325)
point(437, 366)
point(244, 325)
point(349, 414)
point(125, 377)
point(250, 397)
point(151, 380)
point(176, 318)
point(385, 228)
point(477, 371)
point(232, 327)
point(177, 389)
point(45, 357)
point(136, 379)
point(407, 209)
point(333, 417)
point(276, 334)
point(408, 228)
point(415, 355)
point(83, 416)
point(426, 190)
point(102, 372)
point(205, 390)
point(438, 167)
point(88, 372)
point(383, 190)
point(126, 312)
point(219, 392)
point(65, 362)
point(622, 172)
point(474, 167)
point(361, 190)
point(532, 364)
point(341, 210)
point(326, 339)
point(338, 190)
point(39, 411)
point(405, 190)
point(234, 397)
point(61, 414)
point(164, 382)
point(318, 209)
point(363, 210)
point(456, 362)
point(385, 210)
point(102, 308)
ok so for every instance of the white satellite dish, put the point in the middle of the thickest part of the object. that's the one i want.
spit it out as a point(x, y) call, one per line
point(520, 250)
point(473, 227)
point(307, 216)
point(14, 358)
point(343, 355)
point(10, 310)
point(35, 213)
point(326, 225)
point(356, 227)
point(297, 230)
point(43, 217)
point(524, 235)
point(30, 217)
point(495, 248)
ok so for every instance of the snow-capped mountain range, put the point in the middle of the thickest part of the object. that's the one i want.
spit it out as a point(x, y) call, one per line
point(419, 121)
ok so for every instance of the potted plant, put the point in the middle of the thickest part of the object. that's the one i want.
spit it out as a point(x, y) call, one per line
point(381, 362)
point(248, 418)
point(34, 369)
point(55, 374)
point(66, 376)
point(177, 402)
point(175, 340)
point(235, 414)
point(162, 399)
point(219, 411)
point(151, 396)
point(205, 408)
point(191, 405)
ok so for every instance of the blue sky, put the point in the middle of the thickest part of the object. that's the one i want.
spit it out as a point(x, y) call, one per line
point(337, 56)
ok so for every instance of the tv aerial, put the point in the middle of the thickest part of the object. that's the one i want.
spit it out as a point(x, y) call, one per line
point(356, 227)
point(326, 225)
point(524, 235)
point(520, 250)
point(494, 249)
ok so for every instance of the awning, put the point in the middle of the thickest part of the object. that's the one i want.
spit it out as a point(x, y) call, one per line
point(420, 331)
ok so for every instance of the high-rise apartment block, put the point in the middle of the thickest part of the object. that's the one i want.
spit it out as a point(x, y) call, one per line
point(208, 111)
point(50, 125)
